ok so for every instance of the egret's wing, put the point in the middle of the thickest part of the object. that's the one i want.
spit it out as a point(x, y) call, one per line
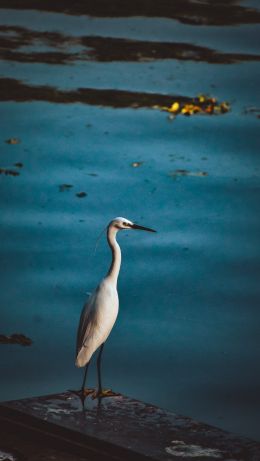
point(85, 320)
point(97, 319)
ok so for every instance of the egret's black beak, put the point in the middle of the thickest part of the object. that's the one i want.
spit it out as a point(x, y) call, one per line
point(136, 226)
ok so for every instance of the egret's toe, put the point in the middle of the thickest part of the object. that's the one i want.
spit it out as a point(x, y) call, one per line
point(104, 393)
point(82, 393)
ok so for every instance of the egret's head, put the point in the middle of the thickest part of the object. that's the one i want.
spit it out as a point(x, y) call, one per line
point(123, 223)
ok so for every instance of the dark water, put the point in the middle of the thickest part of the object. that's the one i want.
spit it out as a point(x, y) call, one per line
point(187, 336)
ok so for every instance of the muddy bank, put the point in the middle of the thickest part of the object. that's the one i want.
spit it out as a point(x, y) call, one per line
point(186, 11)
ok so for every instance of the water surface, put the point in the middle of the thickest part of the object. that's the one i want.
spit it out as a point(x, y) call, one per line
point(187, 335)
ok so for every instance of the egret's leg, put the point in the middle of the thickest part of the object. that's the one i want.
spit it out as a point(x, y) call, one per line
point(83, 392)
point(102, 392)
point(99, 368)
point(85, 377)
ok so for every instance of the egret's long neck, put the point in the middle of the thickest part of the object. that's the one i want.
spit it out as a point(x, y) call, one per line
point(116, 254)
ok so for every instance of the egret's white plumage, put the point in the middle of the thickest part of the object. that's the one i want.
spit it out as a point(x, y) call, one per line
point(97, 320)
point(100, 311)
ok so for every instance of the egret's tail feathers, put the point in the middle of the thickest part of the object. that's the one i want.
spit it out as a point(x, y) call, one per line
point(83, 357)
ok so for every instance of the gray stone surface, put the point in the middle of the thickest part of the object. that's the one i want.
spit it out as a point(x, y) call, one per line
point(121, 428)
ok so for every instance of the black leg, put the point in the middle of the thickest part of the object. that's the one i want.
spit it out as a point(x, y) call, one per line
point(85, 376)
point(100, 393)
point(99, 368)
point(83, 392)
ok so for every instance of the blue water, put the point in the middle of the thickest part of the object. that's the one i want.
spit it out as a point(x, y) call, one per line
point(187, 335)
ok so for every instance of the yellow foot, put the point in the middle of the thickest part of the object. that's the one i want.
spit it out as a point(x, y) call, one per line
point(83, 393)
point(104, 393)
point(87, 392)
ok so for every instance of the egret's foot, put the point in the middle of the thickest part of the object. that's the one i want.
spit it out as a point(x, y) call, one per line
point(87, 392)
point(83, 393)
point(104, 393)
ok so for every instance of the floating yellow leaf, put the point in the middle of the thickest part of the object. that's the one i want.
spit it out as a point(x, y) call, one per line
point(174, 107)
point(201, 104)
point(209, 109)
point(225, 107)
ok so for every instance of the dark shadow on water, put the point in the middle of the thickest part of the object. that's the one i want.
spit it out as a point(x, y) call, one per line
point(16, 90)
point(207, 12)
point(103, 49)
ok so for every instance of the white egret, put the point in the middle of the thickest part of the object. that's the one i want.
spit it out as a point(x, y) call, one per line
point(100, 311)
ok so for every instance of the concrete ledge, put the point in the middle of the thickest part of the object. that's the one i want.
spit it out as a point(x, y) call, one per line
point(117, 428)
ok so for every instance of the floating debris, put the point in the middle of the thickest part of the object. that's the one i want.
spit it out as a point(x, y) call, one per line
point(188, 173)
point(8, 172)
point(92, 174)
point(253, 110)
point(16, 338)
point(81, 194)
point(136, 164)
point(18, 164)
point(64, 187)
point(202, 104)
point(13, 141)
